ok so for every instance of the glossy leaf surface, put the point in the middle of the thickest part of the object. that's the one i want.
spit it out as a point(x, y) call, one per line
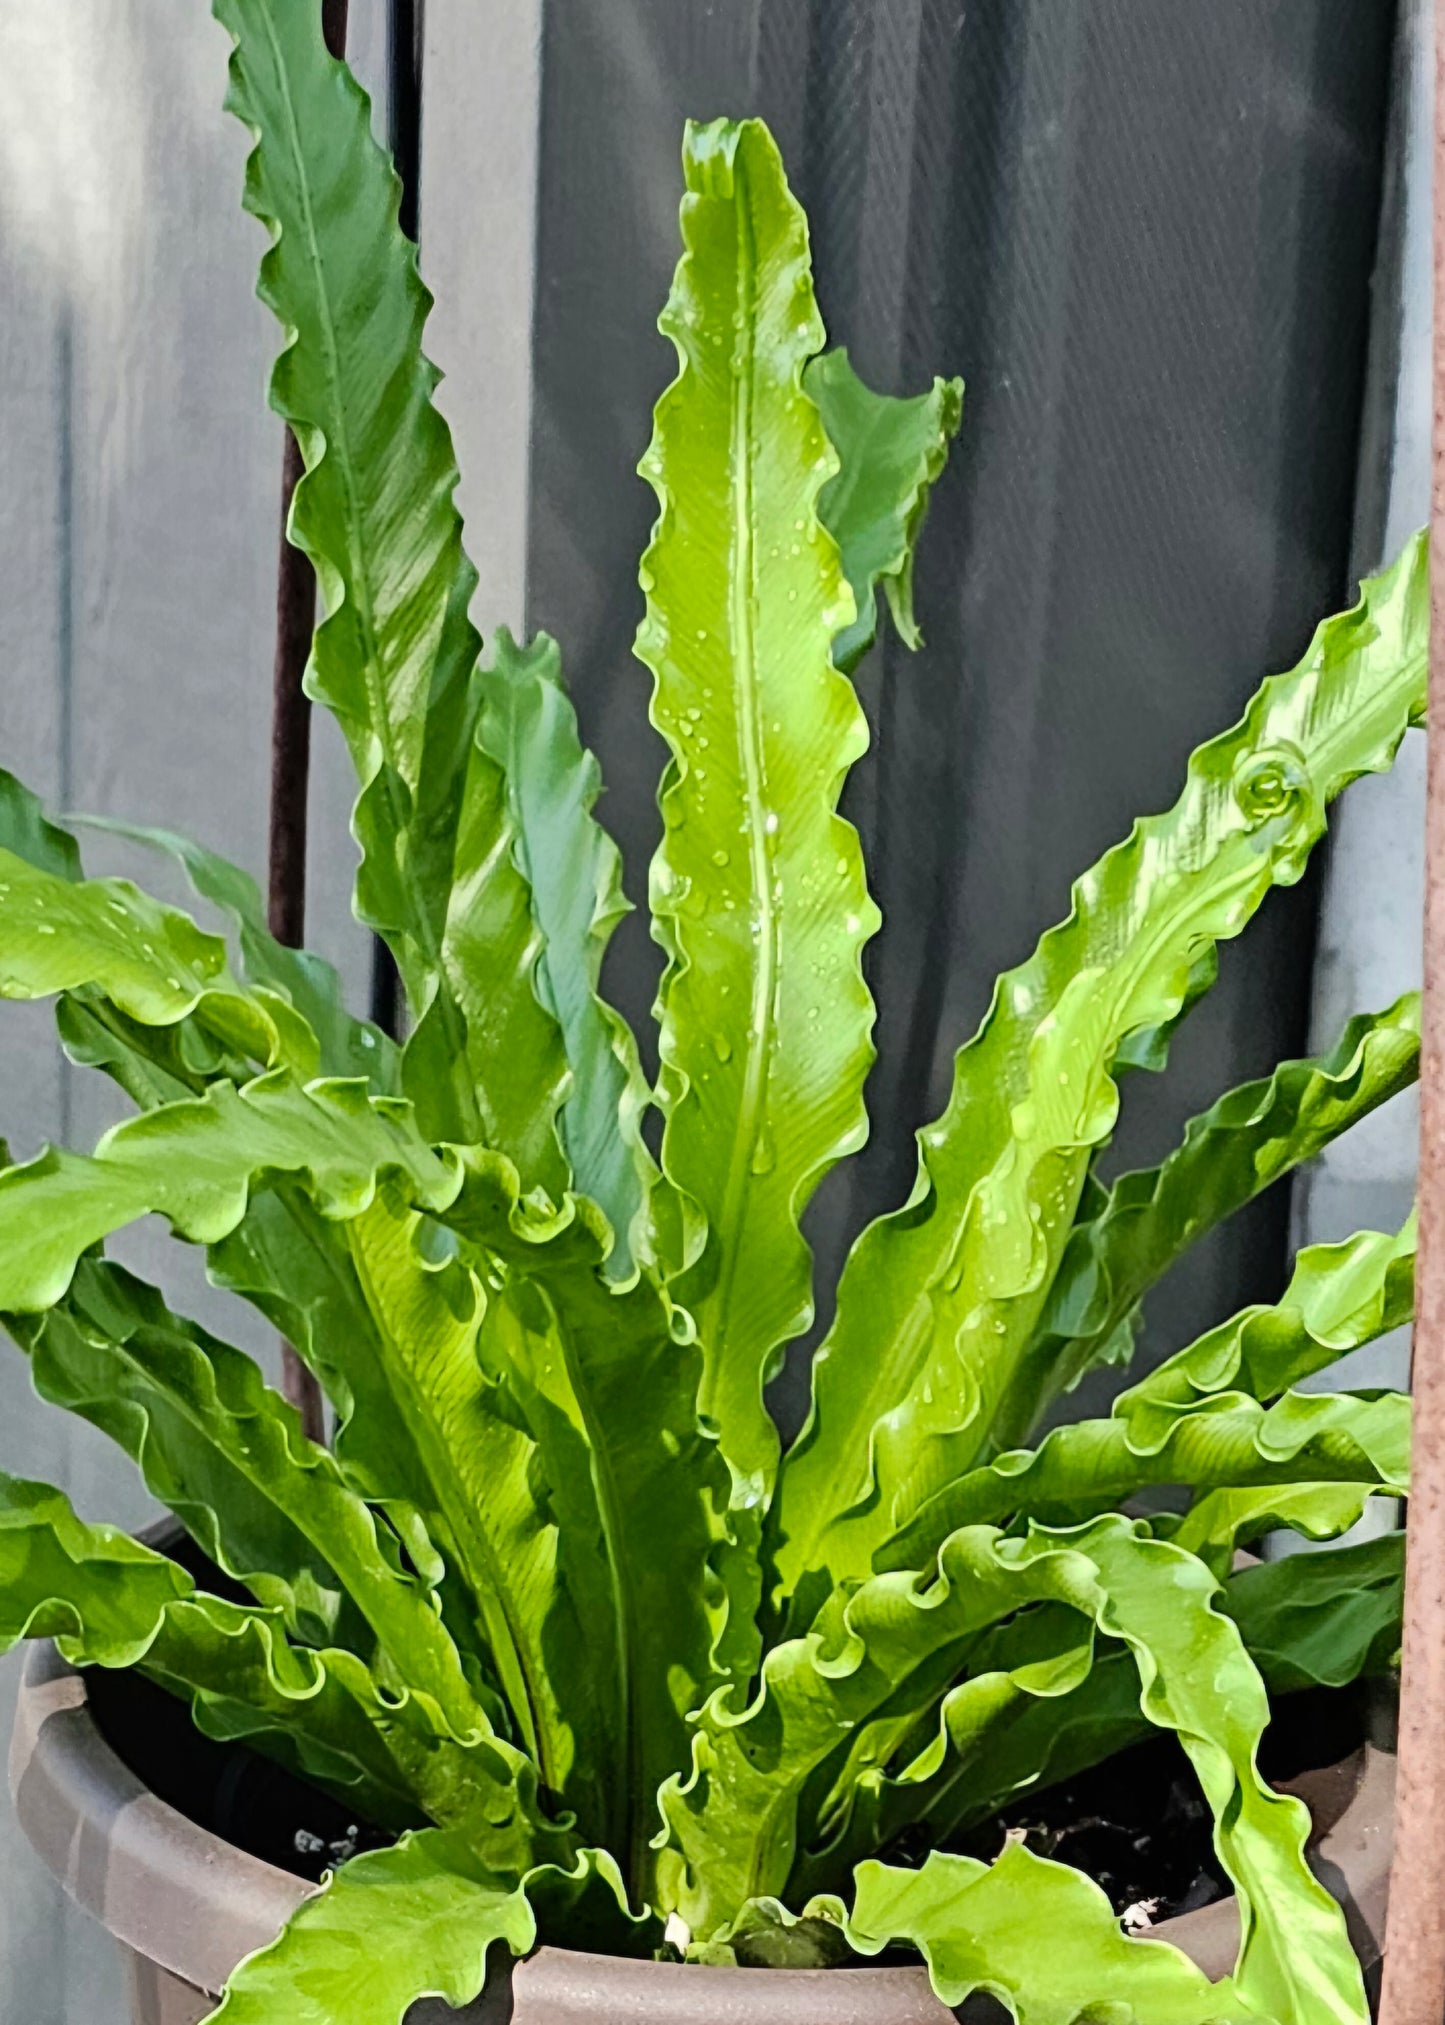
point(395, 657)
point(1236, 1149)
point(442, 1912)
point(891, 453)
point(1295, 1958)
point(926, 1362)
point(574, 872)
point(982, 1927)
point(1339, 1297)
point(347, 1046)
point(1225, 1439)
point(758, 890)
point(150, 962)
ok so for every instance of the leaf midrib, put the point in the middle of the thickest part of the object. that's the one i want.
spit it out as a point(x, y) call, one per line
point(744, 627)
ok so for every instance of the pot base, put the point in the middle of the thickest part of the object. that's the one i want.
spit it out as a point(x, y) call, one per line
point(187, 1906)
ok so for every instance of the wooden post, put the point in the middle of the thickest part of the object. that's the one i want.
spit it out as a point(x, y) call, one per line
point(291, 761)
point(1414, 1974)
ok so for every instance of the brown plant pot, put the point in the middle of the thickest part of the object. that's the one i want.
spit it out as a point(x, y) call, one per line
point(186, 1906)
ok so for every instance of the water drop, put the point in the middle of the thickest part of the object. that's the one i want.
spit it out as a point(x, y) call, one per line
point(813, 1011)
point(702, 635)
point(693, 715)
point(852, 924)
point(770, 822)
point(764, 1158)
point(796, 549)
point(722, 1047)
point(720, 857)
point(44, 928)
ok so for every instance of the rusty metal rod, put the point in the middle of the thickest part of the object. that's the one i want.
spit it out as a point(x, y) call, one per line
point(291, 761)
point(1414, 1973)
point(404, 111)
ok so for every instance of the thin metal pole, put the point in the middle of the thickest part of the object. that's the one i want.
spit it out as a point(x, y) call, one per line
point(291, 761)
point(1414, 1974)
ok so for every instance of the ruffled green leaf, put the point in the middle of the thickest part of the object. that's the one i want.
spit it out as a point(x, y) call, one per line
point(442, 1912)
point(225, 1453)
point(1295, 1960)
point(607, 1378)
point(1021, 1723)
point(513, 1072)
point(940, 1300)
point(321, 1714)
point(26, 832)
point(758, 891)
point(1223, 1439)
point(109, 1601)
point(153, 1065)
point(202, 1424)
point(395, 658)
point(1041, 1938)
point(1220, 1522)
point(348, 1046)
point(891, 454)
point(196, 1163)
point(885, 1650)
point(97, 1591)
point(1325, 1619)
point(574, 872)
point(1339, 1297)
point(1230, 1154)
point(484, 1503)
point(151, 963)
point(295, 1266)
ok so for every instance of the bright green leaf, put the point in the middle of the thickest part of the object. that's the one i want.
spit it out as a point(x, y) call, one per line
point(196, 1162)
point(1236, 1149)
point(939, 1301)
point(348, 1046)
point(891, 453)
point(1340, 1296)
point(1295, 1962)
point(152, 963)
point(574, 871)
point(1040, 1937)
point(1224, 1439)
point(758, 890)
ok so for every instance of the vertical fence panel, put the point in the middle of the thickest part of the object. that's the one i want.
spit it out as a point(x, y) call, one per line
point(138, 498)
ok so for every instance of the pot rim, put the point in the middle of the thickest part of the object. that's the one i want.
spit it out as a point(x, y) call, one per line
point(195, 1904)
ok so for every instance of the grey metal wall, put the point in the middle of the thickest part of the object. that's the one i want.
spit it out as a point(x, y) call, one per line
point(1144, 231)
point(139, 480)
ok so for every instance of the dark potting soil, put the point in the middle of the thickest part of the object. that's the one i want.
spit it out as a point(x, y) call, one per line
point(228, 1788)
point(1136, 1824)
